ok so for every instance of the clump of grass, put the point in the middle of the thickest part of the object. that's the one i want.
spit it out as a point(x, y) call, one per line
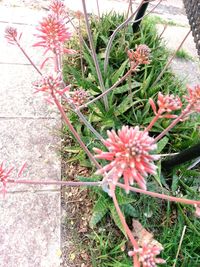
point(183, 54)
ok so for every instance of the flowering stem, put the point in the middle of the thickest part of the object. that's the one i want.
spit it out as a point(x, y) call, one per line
point(108, 48)
point(152, 122)
point(73, 131)
point(29, 59)
point(162, 196)
point(81, 46)
point(108, 90)
point(49, 182)
point(174, 122)
point(100, 78)
point(123, 221)
point(84, 120)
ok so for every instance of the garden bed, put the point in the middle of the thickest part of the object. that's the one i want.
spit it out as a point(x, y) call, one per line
point(102, 243)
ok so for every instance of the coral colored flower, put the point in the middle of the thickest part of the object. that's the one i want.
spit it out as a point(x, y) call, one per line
point(57, 7)
point(11, 35)
point(129, 153)
point(197, 211)
point(79, 97)
point(140, 56)
point(50, 84)
point(194, 97)
point(53, 34)
point(4, 174)
point(166, 104)
point(147, 255)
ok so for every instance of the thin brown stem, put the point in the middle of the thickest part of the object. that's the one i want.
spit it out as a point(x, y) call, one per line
point(94, 55)
point(170, 60)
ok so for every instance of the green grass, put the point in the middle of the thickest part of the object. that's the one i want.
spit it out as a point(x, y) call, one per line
point(165, 220)
point(183, 54)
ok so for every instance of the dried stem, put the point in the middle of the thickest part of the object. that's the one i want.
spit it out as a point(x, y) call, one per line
point(179, 246)
point(170, 60)
point(98, 9)
point(108, 48)
point(100, 78)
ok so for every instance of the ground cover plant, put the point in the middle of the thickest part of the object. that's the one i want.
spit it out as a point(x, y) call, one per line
point(109, 84)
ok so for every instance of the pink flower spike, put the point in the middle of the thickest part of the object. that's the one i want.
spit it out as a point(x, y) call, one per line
point(140, 56)
point(53, 34)
point(4, 177)
point(168, 103)
point(48, 84)
point(21, 169)
point(129, 152)
point(193, 97)
point(11, 35)
point(151, 102)
point(57, 7)
point(197, 212)
point(147, 255)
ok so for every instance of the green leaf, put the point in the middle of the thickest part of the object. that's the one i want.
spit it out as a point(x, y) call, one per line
point(126, 104)
point(128, 209)
point(175, 180)
point(99, 211)
point(161, 144)
point(118, 73)
point(125, 88)
point(157, 176)
point(116, 219)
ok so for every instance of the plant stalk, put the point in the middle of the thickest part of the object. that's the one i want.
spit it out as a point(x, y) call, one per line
point(100, 78)
point(162, 196)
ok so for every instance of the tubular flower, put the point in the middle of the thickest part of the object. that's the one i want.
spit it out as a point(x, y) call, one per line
point(194, 97)
point(129, 155)
point(4, 177)
point(57, 7)
point(53, 34)
point(11, 35)
point(50, 84)
point(79, 97)
point(166, 104)
point(47, 83)
point(147, 255)
point(140, 56)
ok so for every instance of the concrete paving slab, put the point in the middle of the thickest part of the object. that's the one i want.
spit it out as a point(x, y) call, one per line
point(174, 35)
point(29, 237)
point(35, 141)
point(12, 54)
point(187, 70)
point(17, 94)
point(19, 15)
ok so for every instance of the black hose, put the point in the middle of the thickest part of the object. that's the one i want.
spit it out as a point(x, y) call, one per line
point(139, 16)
